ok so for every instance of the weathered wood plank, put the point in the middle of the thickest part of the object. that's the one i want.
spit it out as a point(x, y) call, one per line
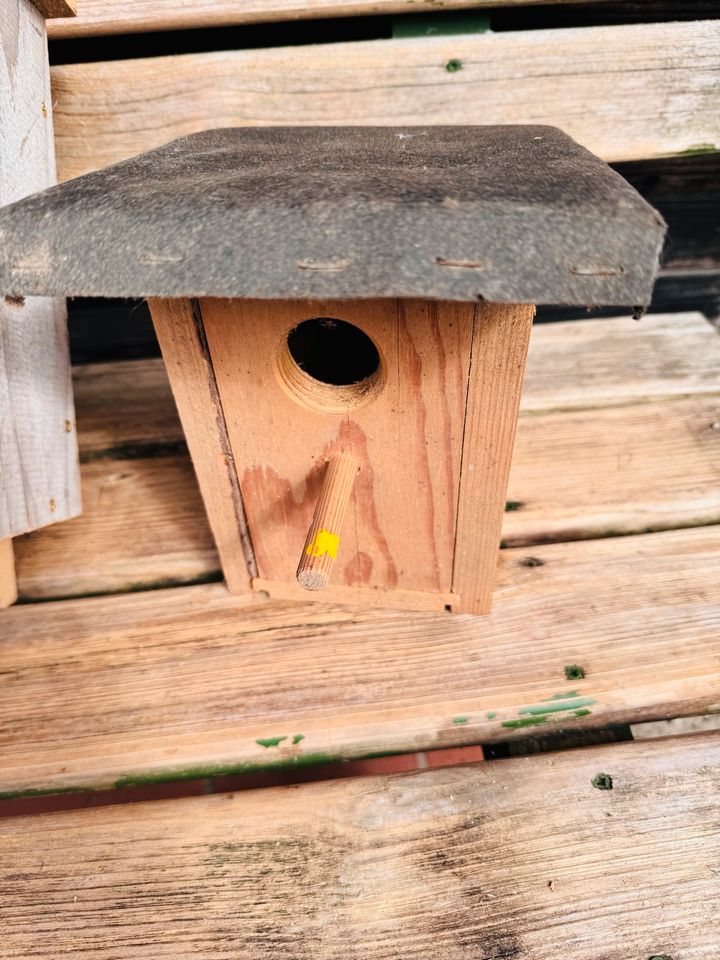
point(602, 472)
point(641, 397)
point(578, 365)
point(143, 526)
point(106, 112)
point(38, 450)
point(98, 17)
point(182, 682)
point(519, 858)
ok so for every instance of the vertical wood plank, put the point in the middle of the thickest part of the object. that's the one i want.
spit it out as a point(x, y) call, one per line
point(8, 583)
point(181, 334)
point(39, 478)
point(501, 333)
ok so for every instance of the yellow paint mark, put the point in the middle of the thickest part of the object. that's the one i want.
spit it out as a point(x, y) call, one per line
point(52, 505)
point(323, 542)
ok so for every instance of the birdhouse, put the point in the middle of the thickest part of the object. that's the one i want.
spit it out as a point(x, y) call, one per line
point(344, 315)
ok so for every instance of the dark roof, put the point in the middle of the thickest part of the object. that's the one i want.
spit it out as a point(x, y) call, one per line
point(503, 213)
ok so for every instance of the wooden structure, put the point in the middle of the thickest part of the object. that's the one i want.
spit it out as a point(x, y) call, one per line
point(137, 677)
point(329, 345)
point(39, 482)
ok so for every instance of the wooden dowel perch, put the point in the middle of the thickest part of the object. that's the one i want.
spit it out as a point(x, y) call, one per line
point(323, 539)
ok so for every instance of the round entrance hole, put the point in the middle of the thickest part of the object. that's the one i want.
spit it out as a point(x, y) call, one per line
point(329, 364)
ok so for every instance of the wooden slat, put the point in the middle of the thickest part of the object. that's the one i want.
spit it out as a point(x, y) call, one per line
point(616, 436)
point(180, 331)
point(577, 365)
point(97, 17)
point(51, 9)
point(603, 472)
point(519, 858)
point(191, 680)
point(38, 451)
point(500, 339)
point(8, 581)
point(626, 78)
point(143, 525)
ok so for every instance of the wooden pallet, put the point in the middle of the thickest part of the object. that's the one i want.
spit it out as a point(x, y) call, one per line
point(138, 673)
point(174, 683)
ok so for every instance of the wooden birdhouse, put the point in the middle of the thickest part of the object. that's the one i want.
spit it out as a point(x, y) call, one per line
point(344, 314)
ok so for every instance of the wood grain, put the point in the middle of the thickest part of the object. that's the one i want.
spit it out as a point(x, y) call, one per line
point(643, 395)
point(646, 90)
point(501, 334)
point(406, 436)
point(182, 682)
point(518, 858)
point(52, 9)
point(323, 540)
point(38, 450)
point(8, 582)
point(179, 328)
point(646, 466)
point(143, 526)
point(98, 17)
point(600, 363)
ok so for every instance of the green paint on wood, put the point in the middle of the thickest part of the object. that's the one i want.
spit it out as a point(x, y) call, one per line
point(602, 781)
point(297, 738)
point(582, 713)
point(491, 715)
point(557, 706)
point(561, 696)
point(525, 722)
point(224, 770)
point(452, 66)
point(460, 719)
point(270, 741)
point(574, 672)
point(698, 149)
point(512, 505)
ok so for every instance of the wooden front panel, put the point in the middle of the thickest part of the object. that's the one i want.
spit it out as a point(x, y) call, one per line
point(399, 531)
